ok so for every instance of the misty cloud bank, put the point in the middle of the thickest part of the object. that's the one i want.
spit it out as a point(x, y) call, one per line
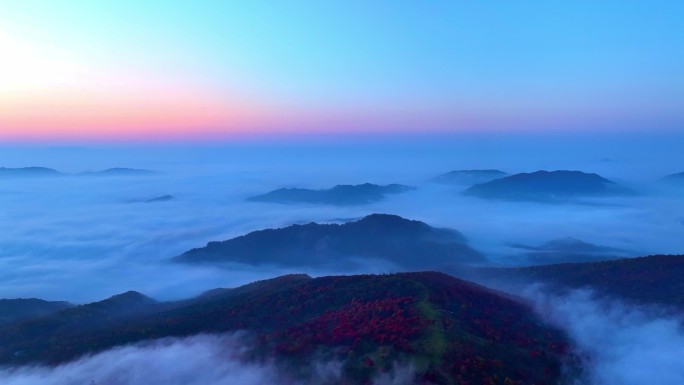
point(84, 239)
point(621, 343)
point(199, 360)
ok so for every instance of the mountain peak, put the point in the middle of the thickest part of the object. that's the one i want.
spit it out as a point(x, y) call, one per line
point(31, 171)
point(545, 185)
point(338, 195)
point(402, 242)
point(130, 297)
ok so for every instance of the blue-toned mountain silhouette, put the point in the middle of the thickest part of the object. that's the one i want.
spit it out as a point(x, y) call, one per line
point(340, 195)
point(405, 243)
point(469, 177)
point(548, 186)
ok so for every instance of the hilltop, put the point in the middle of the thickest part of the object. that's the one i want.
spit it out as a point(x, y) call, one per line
point(28, 172)
point(340, 195)
point(548, 186)
point(405, 243)
point(450, 330)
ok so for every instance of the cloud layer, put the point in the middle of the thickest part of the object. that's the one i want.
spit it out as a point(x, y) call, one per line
point(82, 239)
point(198, 360)
point(621, 343)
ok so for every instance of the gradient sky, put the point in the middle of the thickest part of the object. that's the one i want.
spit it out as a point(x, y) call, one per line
point(146, 69)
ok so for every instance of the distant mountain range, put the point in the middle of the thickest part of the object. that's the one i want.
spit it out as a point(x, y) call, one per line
point(340, 195)
point(653, 279)
point(469, 177)
point(49, 172)
point(28, 172)
point(567, 250)
point(119, 171)
point(405, 243)
point(548, 186)
point(451, 331)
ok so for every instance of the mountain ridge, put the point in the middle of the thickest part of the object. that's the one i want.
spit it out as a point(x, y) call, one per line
point(12, 310)
point(406, 243)
point(28, 172)
point(338, 195)
point(450, 330)
point(649, 280)
point(549, 186)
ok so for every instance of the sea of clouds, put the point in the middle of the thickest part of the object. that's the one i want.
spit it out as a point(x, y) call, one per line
point(82, 239)
point(85, 238)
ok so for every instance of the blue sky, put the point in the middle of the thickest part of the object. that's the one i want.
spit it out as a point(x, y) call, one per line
point(281, 66)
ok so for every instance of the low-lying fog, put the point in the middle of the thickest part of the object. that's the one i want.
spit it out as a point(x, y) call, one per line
point(197, 360)
point(81, 238)
point(621, 343)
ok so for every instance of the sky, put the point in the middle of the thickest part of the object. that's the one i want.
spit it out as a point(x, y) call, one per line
point(207, 70)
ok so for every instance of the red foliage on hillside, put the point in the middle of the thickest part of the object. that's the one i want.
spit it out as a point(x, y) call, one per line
point(390, 321)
